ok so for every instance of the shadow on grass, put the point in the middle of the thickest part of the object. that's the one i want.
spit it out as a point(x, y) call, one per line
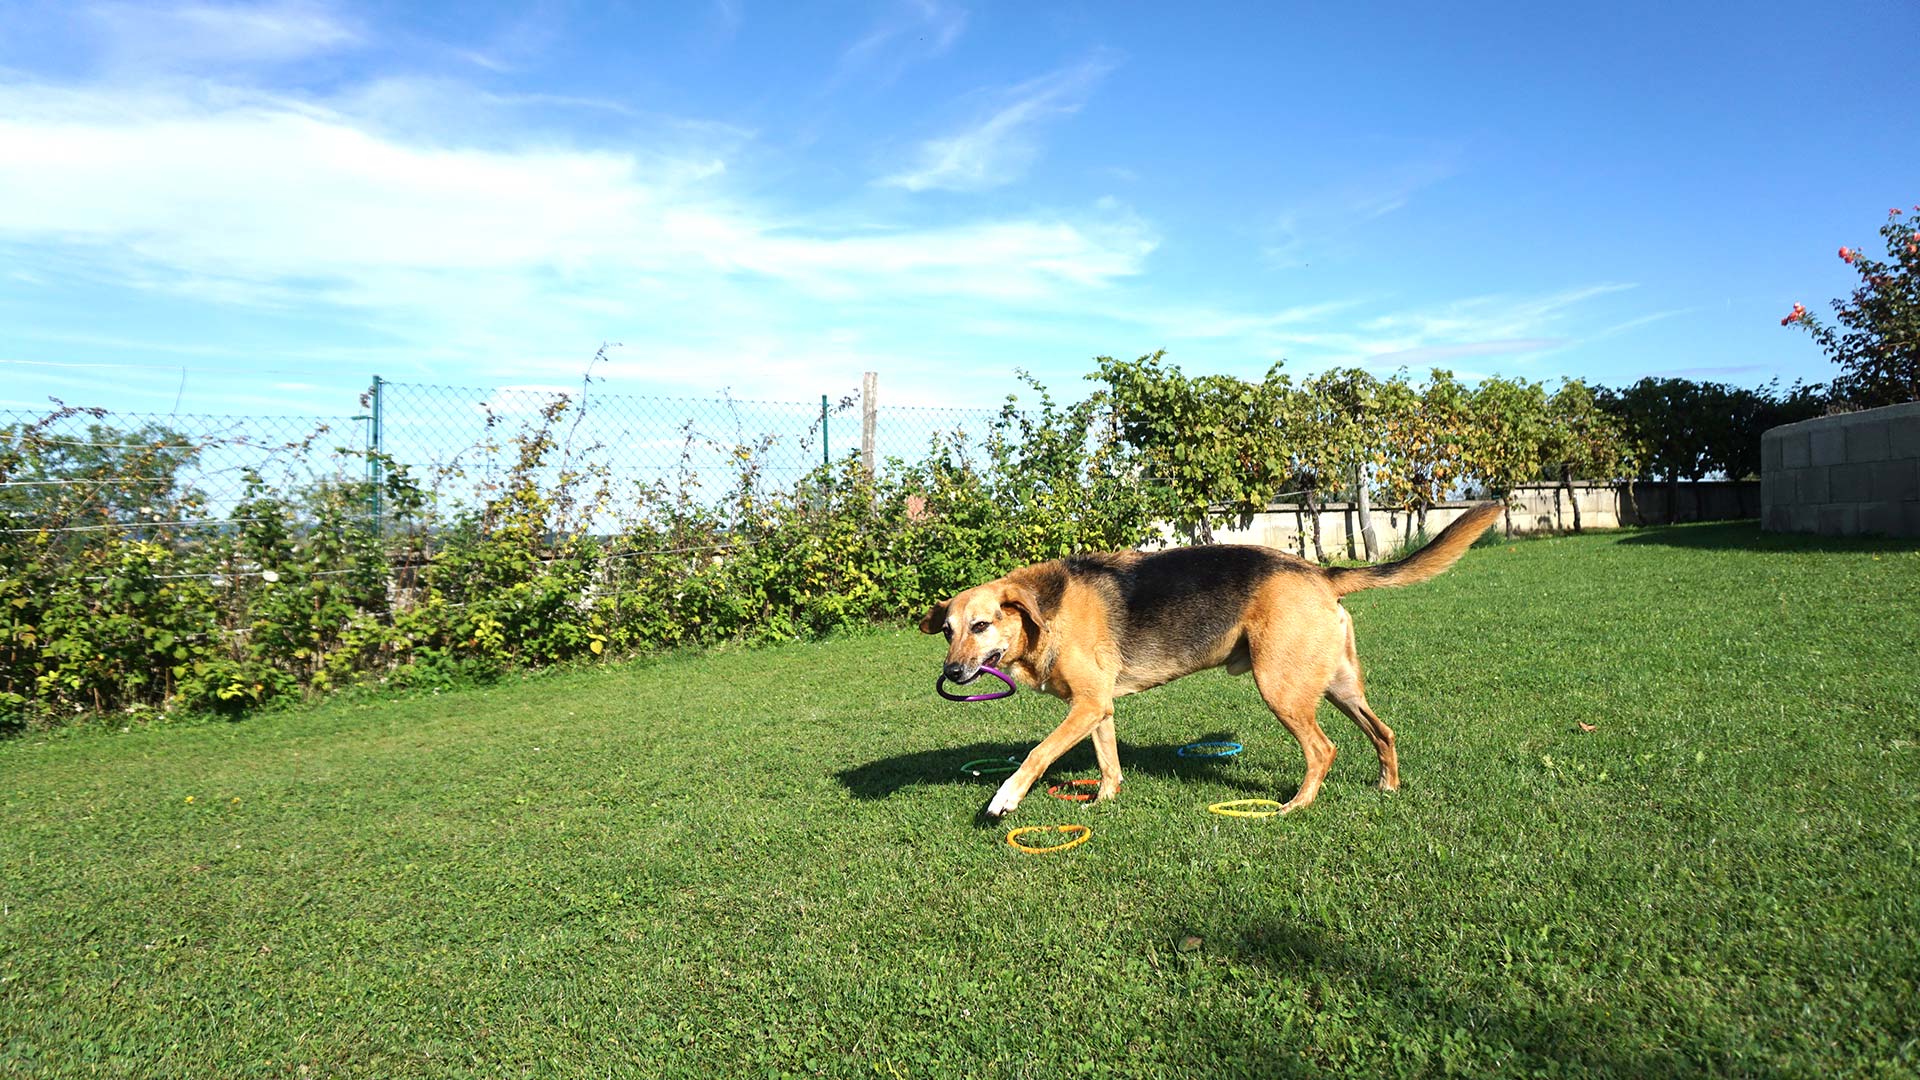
point(1747, 536)
point(1481, 1034)
point(880, 779)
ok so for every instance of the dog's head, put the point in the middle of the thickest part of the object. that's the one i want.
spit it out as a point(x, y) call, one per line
point(985, 626)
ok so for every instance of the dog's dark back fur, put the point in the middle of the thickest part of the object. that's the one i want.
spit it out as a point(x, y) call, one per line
point(1163, 605)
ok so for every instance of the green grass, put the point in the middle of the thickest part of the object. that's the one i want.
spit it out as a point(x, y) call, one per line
point(762, 862)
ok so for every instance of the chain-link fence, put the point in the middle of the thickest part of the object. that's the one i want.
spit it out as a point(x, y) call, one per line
point(79, 468)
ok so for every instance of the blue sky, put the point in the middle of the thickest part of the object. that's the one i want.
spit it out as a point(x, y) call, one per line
point(285, 198)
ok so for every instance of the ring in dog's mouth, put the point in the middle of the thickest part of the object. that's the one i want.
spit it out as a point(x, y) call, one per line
point(991, 659)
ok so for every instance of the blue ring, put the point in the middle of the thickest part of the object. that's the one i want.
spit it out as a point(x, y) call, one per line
point(1232, 749)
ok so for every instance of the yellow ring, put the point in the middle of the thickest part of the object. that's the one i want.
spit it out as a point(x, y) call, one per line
point(1084, 830)
point(1225, 809)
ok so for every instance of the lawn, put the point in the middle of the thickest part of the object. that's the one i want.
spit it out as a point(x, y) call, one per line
point(765, 862)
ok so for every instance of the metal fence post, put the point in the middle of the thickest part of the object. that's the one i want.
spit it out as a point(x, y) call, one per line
point(826, 456)
point(869, 390)
point(373, 458)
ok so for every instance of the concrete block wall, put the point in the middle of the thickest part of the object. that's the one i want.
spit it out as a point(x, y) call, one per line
point(1848, 475)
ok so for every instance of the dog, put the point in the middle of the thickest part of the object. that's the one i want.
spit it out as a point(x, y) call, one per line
point(1091, 628)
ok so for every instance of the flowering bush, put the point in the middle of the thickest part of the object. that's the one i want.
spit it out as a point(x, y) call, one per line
point(1877, 339)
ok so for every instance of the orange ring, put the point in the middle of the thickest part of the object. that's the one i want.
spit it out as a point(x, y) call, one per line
point(1075, 796)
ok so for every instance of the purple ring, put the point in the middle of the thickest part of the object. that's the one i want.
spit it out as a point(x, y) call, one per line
point(940, 687)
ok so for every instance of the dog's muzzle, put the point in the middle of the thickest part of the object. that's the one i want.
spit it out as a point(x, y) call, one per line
point(963, 674)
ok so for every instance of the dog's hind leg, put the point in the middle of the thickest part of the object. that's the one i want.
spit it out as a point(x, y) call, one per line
point(1293, 701)
point(1106, 747)
point(1085, 716)
point(1348, 692)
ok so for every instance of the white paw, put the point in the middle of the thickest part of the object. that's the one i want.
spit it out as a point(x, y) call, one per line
point(1004, 800)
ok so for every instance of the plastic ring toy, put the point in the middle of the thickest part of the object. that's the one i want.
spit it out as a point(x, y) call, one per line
point(1013, 838)
point(1227, 809)
point(984, 765)
point(940, 687)
point(1210, 749)
point(1074, 796)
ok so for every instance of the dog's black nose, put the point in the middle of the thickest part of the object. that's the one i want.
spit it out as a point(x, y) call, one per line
point(955, 671)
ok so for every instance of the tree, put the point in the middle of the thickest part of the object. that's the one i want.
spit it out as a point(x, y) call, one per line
point(1877, 343)
point(1663, 422)
point(1733, 447)
point(58, 478)
point(1209, 440)
point(1311, 430)
point(1351, 397)
point(1505, 432)
point(1422, 454)
point(1582, 440)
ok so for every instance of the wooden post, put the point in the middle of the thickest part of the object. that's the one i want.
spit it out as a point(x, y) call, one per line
point(869, 386)
point(1366, 513)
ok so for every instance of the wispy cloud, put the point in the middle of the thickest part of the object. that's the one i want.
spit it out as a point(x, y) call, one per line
point(910, 32)
point(1321, 223)
point(199, 35)
point(1636, 323)
point(727, 17)
point(1713, 370)
point(1487, 318)
point(1431, 354)
point(997, 148)
point(1355, 330)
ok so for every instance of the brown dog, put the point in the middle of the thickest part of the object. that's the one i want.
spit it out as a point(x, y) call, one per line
point(1092, 628)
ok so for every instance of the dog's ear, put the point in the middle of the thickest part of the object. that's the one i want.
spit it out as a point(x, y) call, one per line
point(1021, 599)
point(936, 619)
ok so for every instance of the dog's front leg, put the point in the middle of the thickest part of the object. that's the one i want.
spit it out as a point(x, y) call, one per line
point(1082, 718)
point(1106, 749)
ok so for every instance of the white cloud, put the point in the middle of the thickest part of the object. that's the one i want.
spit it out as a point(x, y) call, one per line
point(998, 148)
point(350, 243)
point(231, 194)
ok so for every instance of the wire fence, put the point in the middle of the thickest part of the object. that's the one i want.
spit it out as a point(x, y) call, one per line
point(78, 470)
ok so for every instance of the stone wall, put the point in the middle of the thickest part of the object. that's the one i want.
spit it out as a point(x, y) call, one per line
point(1847, 475)
point(1538, 508)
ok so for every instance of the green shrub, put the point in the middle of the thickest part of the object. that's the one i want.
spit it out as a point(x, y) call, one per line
point(305, 593)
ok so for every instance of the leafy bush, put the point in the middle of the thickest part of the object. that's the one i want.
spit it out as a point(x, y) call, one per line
point(298, 590)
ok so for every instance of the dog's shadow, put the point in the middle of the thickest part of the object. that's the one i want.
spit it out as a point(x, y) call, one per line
point(881, 779)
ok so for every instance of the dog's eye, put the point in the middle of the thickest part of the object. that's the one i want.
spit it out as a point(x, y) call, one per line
point(981, 626)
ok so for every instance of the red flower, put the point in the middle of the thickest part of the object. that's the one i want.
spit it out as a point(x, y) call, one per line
point(1894, 211)
point(1847, 255)
point(1795, 315)
point(1911, 249)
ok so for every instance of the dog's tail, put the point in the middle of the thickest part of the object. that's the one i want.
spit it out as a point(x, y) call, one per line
point(1445, 549)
